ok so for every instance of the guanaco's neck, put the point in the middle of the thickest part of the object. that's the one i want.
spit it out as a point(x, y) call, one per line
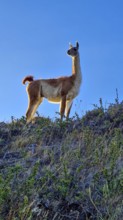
point(76, 69)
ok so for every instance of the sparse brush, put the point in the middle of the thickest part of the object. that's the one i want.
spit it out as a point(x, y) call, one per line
point(63, 169)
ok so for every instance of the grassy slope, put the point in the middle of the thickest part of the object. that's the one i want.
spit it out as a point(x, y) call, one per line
point(69, 170)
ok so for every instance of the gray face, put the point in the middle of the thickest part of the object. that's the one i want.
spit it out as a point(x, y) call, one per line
point(73, 51)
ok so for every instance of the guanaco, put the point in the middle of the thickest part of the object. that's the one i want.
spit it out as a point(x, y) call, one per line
point(59, 90)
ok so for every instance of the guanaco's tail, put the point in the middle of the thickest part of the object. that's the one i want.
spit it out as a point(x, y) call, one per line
point(28, 79)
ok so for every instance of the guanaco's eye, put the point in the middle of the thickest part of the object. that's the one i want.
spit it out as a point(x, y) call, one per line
point(74, 49)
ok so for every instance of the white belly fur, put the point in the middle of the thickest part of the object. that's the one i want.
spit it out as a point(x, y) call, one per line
point(53, 94)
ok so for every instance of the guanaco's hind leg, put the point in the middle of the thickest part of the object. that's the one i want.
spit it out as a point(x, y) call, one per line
point(34, 99)
point(68, 108)
point(33, 105)
point(62, 106)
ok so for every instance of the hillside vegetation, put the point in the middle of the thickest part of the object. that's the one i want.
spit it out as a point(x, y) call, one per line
point(63, 170)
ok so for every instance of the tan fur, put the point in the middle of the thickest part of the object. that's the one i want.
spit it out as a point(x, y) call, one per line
point(60, 90)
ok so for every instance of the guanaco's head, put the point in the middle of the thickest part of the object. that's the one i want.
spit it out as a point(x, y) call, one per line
point(73, 51)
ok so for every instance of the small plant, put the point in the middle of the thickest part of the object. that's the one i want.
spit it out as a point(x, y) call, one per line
point(117, 97)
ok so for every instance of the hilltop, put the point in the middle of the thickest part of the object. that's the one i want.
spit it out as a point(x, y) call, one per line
point(53, 170)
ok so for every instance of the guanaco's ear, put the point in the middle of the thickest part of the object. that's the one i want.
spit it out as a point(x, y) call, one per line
point(70, 45)
point(77, 45)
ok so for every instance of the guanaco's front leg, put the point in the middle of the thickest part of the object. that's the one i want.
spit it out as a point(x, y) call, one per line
point(62, 106)
point(68, 108)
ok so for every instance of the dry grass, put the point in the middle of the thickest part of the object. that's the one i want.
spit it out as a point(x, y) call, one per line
point(63, 170)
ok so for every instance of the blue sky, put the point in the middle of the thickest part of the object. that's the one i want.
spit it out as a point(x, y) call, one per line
point(34, 38)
